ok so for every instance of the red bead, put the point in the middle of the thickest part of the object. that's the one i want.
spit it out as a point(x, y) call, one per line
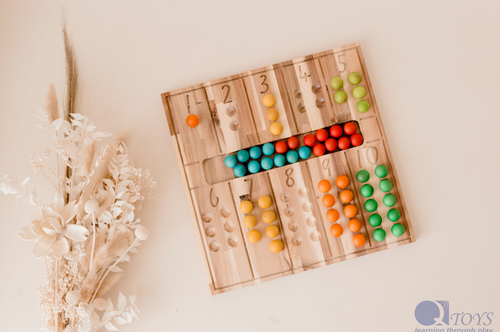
point(350, 128)
point(356, 140)
point(293, 142)
point(344, 143)
point(331, 144)
point(309, 140)
point(336, 131)
point(319, 149)
point(321, 135)
point(281, 147)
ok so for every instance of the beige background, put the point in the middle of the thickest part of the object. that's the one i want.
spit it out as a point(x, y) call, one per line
point(435, 70)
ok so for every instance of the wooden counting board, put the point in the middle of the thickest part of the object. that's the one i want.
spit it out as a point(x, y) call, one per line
point(232, 117)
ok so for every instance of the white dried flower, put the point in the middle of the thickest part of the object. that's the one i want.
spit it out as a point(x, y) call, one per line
point(72, 297)
point(91, 206)
point(141, 233)
point(83, 310)
point(100, 304)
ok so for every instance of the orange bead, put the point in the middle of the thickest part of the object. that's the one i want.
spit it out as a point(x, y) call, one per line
point(328, 200)
point(336, 230)
point(192, 120)
point(324, 186)
point(358, 240)
point(342, 181)
point(346, 196)
point(354, 225)
point(332, 215)
point(350, 211)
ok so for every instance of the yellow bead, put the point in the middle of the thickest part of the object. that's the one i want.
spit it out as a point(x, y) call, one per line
point(265, 202)
point(253, 236)
point(246, 207)
point(276, 246)
point(268, 217)
point(272, 231)
point(269, 100)
point(272, 114)
point(250, 221)
point(276, 128)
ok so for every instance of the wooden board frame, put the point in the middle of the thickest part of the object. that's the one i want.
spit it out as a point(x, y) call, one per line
point(305, 103)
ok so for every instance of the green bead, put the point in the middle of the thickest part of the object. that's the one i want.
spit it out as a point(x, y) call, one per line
point(389, 200)
point(363, 176)
point(375, 220)
point(354, 78)
point(385, 185)
point(363, 106)
point(379, 235)
point(381, 171)
point(398, 229)
point(366, 190)
point(337, 82)
point(359, 92)
point(340, 97)
point(393, 215)
point(371, 205)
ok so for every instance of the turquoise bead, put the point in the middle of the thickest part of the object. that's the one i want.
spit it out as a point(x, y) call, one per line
point(253, 166)
point(279, 160)
point(292, 156)
point(243, 156)
point(255, 152)
point(268, 149)
point(304, 152)
point(239, 170)
point(266, 163)
point(230, 161)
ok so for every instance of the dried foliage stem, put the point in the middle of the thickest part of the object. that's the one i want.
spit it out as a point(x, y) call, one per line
point(111, 267)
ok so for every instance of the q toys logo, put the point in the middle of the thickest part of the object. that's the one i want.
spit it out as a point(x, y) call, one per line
point(437, 315)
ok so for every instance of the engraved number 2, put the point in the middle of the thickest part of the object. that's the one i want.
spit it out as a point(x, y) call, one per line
point(227, 94)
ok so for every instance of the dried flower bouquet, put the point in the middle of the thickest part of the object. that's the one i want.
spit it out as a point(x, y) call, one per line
point(91, 224)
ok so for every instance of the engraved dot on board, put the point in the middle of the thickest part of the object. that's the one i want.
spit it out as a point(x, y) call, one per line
point(232, 241)
point(210, 231)
point(231, 111)
point(315, 236)
point(302, 107)
point(311, 221)
point(285, 197)
point(293, 226)
point(234, 125)
point(320, 102)
point(306, 206)
point(316, 88)
point(206, 216)
point(229, 226)
point(297, 241)
point(289, 211)
point(225, 212)
point(297, 93)
point(303, 192)
point(214, 246)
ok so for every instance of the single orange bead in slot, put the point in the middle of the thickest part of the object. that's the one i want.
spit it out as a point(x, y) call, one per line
point(336, 230)
point(192, 120)
point(354, 225)
point(346, 196)
point(332, 215)
point(324, 186)
point(350, 211)
point(358, 240)
point(342, 181)
point(328, 200)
